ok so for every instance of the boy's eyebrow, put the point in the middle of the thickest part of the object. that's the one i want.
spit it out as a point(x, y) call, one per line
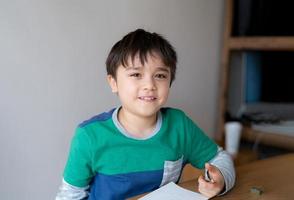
point(165, 69)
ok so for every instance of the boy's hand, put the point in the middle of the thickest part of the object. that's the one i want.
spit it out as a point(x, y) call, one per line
point(215, 185)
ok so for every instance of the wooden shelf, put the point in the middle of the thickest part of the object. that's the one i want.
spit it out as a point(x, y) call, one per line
point(261, 43)
point(278, 140)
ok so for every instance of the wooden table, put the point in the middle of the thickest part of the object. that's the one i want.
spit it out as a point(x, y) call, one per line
point(274, 175)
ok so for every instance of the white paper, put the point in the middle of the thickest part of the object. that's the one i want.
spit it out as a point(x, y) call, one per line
point(172, 191)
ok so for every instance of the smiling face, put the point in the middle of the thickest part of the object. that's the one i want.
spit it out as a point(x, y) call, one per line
point(142, 89)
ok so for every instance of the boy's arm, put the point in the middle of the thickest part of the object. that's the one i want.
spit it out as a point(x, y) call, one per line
point(78, 172)
point(225, 164)
point(70, 192)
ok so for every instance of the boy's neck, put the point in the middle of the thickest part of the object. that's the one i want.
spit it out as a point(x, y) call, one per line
point(135, 125)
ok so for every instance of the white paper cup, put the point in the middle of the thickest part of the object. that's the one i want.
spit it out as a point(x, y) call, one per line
point(232, 137)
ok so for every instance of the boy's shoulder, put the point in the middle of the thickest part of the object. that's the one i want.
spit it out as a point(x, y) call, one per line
point(97, 118)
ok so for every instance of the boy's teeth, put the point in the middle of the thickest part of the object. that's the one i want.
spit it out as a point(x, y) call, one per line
point(147, 98)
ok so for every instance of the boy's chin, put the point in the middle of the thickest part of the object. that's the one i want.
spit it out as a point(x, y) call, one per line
point(143, 111)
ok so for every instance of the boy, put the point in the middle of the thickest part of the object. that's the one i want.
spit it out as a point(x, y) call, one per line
point(140, 145)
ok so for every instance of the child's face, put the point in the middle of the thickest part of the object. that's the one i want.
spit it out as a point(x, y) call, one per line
point(142, 89)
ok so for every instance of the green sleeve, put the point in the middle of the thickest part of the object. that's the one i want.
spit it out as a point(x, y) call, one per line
point(201, 148)
point(78, 171)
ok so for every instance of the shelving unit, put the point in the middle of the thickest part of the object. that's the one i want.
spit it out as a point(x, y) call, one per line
point(261, 43)
point(236, 43)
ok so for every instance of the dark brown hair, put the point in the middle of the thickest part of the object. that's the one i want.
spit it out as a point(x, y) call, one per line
point(142, 43)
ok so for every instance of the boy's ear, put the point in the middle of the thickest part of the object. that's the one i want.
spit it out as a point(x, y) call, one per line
point(112, 83)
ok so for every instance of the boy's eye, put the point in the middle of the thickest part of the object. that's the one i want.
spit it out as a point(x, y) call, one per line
point(136, 75)
point(161, 76)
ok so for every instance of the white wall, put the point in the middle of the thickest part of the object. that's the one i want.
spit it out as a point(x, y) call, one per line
point(52, 75)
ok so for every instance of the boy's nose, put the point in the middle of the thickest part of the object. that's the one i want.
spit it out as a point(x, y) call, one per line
point(149, 84)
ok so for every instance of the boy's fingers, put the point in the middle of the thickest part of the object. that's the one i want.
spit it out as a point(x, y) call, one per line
point(203, 184)
point(212, 170)
point(201, 180)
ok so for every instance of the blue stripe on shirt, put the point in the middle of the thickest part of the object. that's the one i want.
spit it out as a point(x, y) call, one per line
point(101, 117)
point(122, 186)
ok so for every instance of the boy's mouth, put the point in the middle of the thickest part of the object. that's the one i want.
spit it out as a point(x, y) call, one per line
point(148, 98)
